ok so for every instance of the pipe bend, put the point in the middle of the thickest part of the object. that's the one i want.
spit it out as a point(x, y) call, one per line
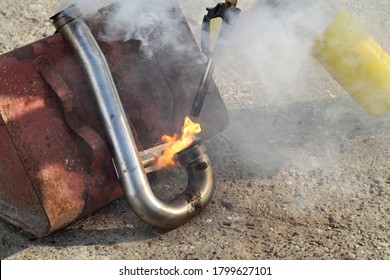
point(186, 205)
point(131, 173)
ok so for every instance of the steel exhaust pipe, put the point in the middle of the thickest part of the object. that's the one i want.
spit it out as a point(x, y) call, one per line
point(136, 188)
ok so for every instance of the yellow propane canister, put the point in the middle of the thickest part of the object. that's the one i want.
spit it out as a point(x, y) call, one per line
point(356, 62)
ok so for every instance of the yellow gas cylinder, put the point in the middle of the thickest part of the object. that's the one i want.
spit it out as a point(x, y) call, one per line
point(356, 62)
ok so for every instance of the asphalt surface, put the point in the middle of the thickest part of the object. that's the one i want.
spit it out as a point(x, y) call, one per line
point(302, 170)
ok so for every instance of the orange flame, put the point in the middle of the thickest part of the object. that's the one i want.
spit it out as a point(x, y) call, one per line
point(188, 132)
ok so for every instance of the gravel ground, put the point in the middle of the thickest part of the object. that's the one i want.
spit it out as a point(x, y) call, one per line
point(300, 175)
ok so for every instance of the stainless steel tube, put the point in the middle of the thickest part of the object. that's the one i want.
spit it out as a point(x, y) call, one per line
point(123, 149)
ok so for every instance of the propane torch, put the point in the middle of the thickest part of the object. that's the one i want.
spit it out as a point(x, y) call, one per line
point(216, 26)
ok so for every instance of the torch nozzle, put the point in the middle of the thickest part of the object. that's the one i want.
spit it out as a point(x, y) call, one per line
point(202, 89)
point(198, 103)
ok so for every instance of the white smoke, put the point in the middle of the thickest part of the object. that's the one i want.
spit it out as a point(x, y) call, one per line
point(146, 21)
point(271, 41)
point(273, 38)
point(268, 49)
point(277, 122)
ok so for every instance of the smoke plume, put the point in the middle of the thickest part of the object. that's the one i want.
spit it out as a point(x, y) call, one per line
point(275, 37)
point(266, 75)
point(135, 20)
point(277, 121)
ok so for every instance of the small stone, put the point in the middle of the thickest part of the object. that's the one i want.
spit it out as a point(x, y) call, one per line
point(350, 256)
point(229, 206)
point(331, 219)
point(227, 223)
point(250, 225)
point(326, 249)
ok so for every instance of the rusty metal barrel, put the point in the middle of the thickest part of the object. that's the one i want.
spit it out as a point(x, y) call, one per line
point(55, 160)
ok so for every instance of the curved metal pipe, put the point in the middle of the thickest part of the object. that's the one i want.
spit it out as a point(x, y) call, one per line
point(132, 176)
